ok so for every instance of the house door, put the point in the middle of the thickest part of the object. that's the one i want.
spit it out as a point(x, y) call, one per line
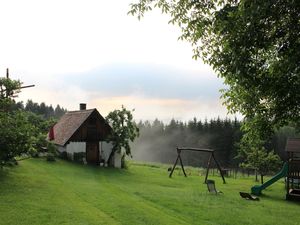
point(92, 152)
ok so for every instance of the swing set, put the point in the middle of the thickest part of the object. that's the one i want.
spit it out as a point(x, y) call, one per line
point(211, 156)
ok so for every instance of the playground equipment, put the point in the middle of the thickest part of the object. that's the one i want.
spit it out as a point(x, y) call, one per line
point(248, 196)
point(293, 174)
point(257, 189)
point(212, 156)
point(290, 170)
point(211, 187)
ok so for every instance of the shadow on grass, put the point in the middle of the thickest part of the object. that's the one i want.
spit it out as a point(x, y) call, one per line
point(3, 174)
point(278, 198)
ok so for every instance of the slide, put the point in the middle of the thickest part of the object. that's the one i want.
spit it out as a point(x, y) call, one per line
point(257, 189)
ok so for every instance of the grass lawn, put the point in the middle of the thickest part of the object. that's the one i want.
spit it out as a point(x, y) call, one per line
point(40, 192)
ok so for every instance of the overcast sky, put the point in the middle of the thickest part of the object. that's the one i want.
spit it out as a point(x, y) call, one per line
point(91, 51)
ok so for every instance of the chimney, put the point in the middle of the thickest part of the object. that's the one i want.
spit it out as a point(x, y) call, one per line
point(82, 106)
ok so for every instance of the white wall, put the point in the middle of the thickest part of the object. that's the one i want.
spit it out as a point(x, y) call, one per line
point(61, 148)
point(106, 148)
point(117, 160)
point(73, 147)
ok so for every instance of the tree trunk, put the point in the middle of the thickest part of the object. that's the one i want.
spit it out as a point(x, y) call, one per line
point(256, 178)
point(262, 178)
point(123, 162)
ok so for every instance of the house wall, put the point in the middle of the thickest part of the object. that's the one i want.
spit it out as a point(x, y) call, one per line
point(106, 148)
point(93, 129)
point(117, 160)
point(61, 148)
point(75, 147)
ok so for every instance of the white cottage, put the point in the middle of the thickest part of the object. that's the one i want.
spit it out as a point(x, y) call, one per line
point(84, 133)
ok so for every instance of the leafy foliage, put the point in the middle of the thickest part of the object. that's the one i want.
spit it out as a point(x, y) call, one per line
point(259, 159)
point(21, 132)
point(16, 136)
point(8, 88)
point(124, 130)
point(254, 46)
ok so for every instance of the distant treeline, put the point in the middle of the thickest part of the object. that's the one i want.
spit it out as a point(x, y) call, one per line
point(46, 111)
point(158, 141)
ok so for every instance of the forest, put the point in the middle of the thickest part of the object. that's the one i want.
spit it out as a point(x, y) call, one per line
point(158, 141)
point(42, 109)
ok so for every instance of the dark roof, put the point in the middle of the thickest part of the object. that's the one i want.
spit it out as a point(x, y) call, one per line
point(69, 124)
point(293, 145)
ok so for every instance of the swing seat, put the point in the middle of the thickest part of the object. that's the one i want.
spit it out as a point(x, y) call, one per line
point(248, 196)
point(212, 187)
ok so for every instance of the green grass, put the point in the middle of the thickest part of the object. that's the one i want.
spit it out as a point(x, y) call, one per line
point(39, 192)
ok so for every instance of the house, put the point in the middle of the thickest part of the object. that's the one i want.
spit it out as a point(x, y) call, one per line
point(84, 134)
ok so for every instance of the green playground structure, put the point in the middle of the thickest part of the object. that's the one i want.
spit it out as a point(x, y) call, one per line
point(257, 189)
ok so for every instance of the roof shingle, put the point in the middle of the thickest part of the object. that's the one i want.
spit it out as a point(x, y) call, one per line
point(68, 124)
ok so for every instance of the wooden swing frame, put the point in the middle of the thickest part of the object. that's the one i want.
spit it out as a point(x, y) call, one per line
point(212, 156)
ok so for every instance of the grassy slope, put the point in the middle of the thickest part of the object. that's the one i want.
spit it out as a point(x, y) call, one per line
point(38, 192)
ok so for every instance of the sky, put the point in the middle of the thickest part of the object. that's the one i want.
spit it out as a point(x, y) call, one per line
point(91, 51)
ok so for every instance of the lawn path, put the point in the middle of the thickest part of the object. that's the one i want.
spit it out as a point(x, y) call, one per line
point(38, 192)
point(106, 197)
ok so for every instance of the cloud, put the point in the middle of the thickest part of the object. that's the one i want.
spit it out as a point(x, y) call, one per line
point(92, 51)
point(151, 80)
point(154, 91)
point(165, 109)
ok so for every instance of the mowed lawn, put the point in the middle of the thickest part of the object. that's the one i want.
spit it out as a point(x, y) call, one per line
point(40, 192)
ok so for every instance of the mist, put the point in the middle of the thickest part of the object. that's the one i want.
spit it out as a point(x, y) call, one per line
point(158, 142)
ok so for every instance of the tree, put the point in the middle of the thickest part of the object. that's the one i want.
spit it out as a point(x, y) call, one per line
point(8, 88)
point(17, 136)
point(15, 130)
point(124, 129)
point(261, 161)
point(254, 46)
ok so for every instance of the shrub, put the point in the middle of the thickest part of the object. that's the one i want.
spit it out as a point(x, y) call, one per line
point(52, 152)
point(63, 155)
point(50, 157)
point(79, 156)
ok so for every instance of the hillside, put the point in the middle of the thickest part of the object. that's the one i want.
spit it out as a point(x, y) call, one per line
point(39, 192)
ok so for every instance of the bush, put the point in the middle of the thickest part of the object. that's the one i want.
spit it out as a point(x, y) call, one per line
point(12, 162)
point(79, 156)
point(50, 157)
point(51, 152)
point(63, 155)
point(124, 163)
point(51, 148)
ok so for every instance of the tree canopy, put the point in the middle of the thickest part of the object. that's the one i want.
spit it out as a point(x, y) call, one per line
point(21, 131)
point(253, 45)
point(124, 129)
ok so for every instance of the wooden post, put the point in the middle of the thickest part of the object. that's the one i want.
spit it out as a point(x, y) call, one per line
point(178, 157)
point(207, 169)
point(170, 175)
point(221, 172)
point(181, 164)
point(179, 150)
